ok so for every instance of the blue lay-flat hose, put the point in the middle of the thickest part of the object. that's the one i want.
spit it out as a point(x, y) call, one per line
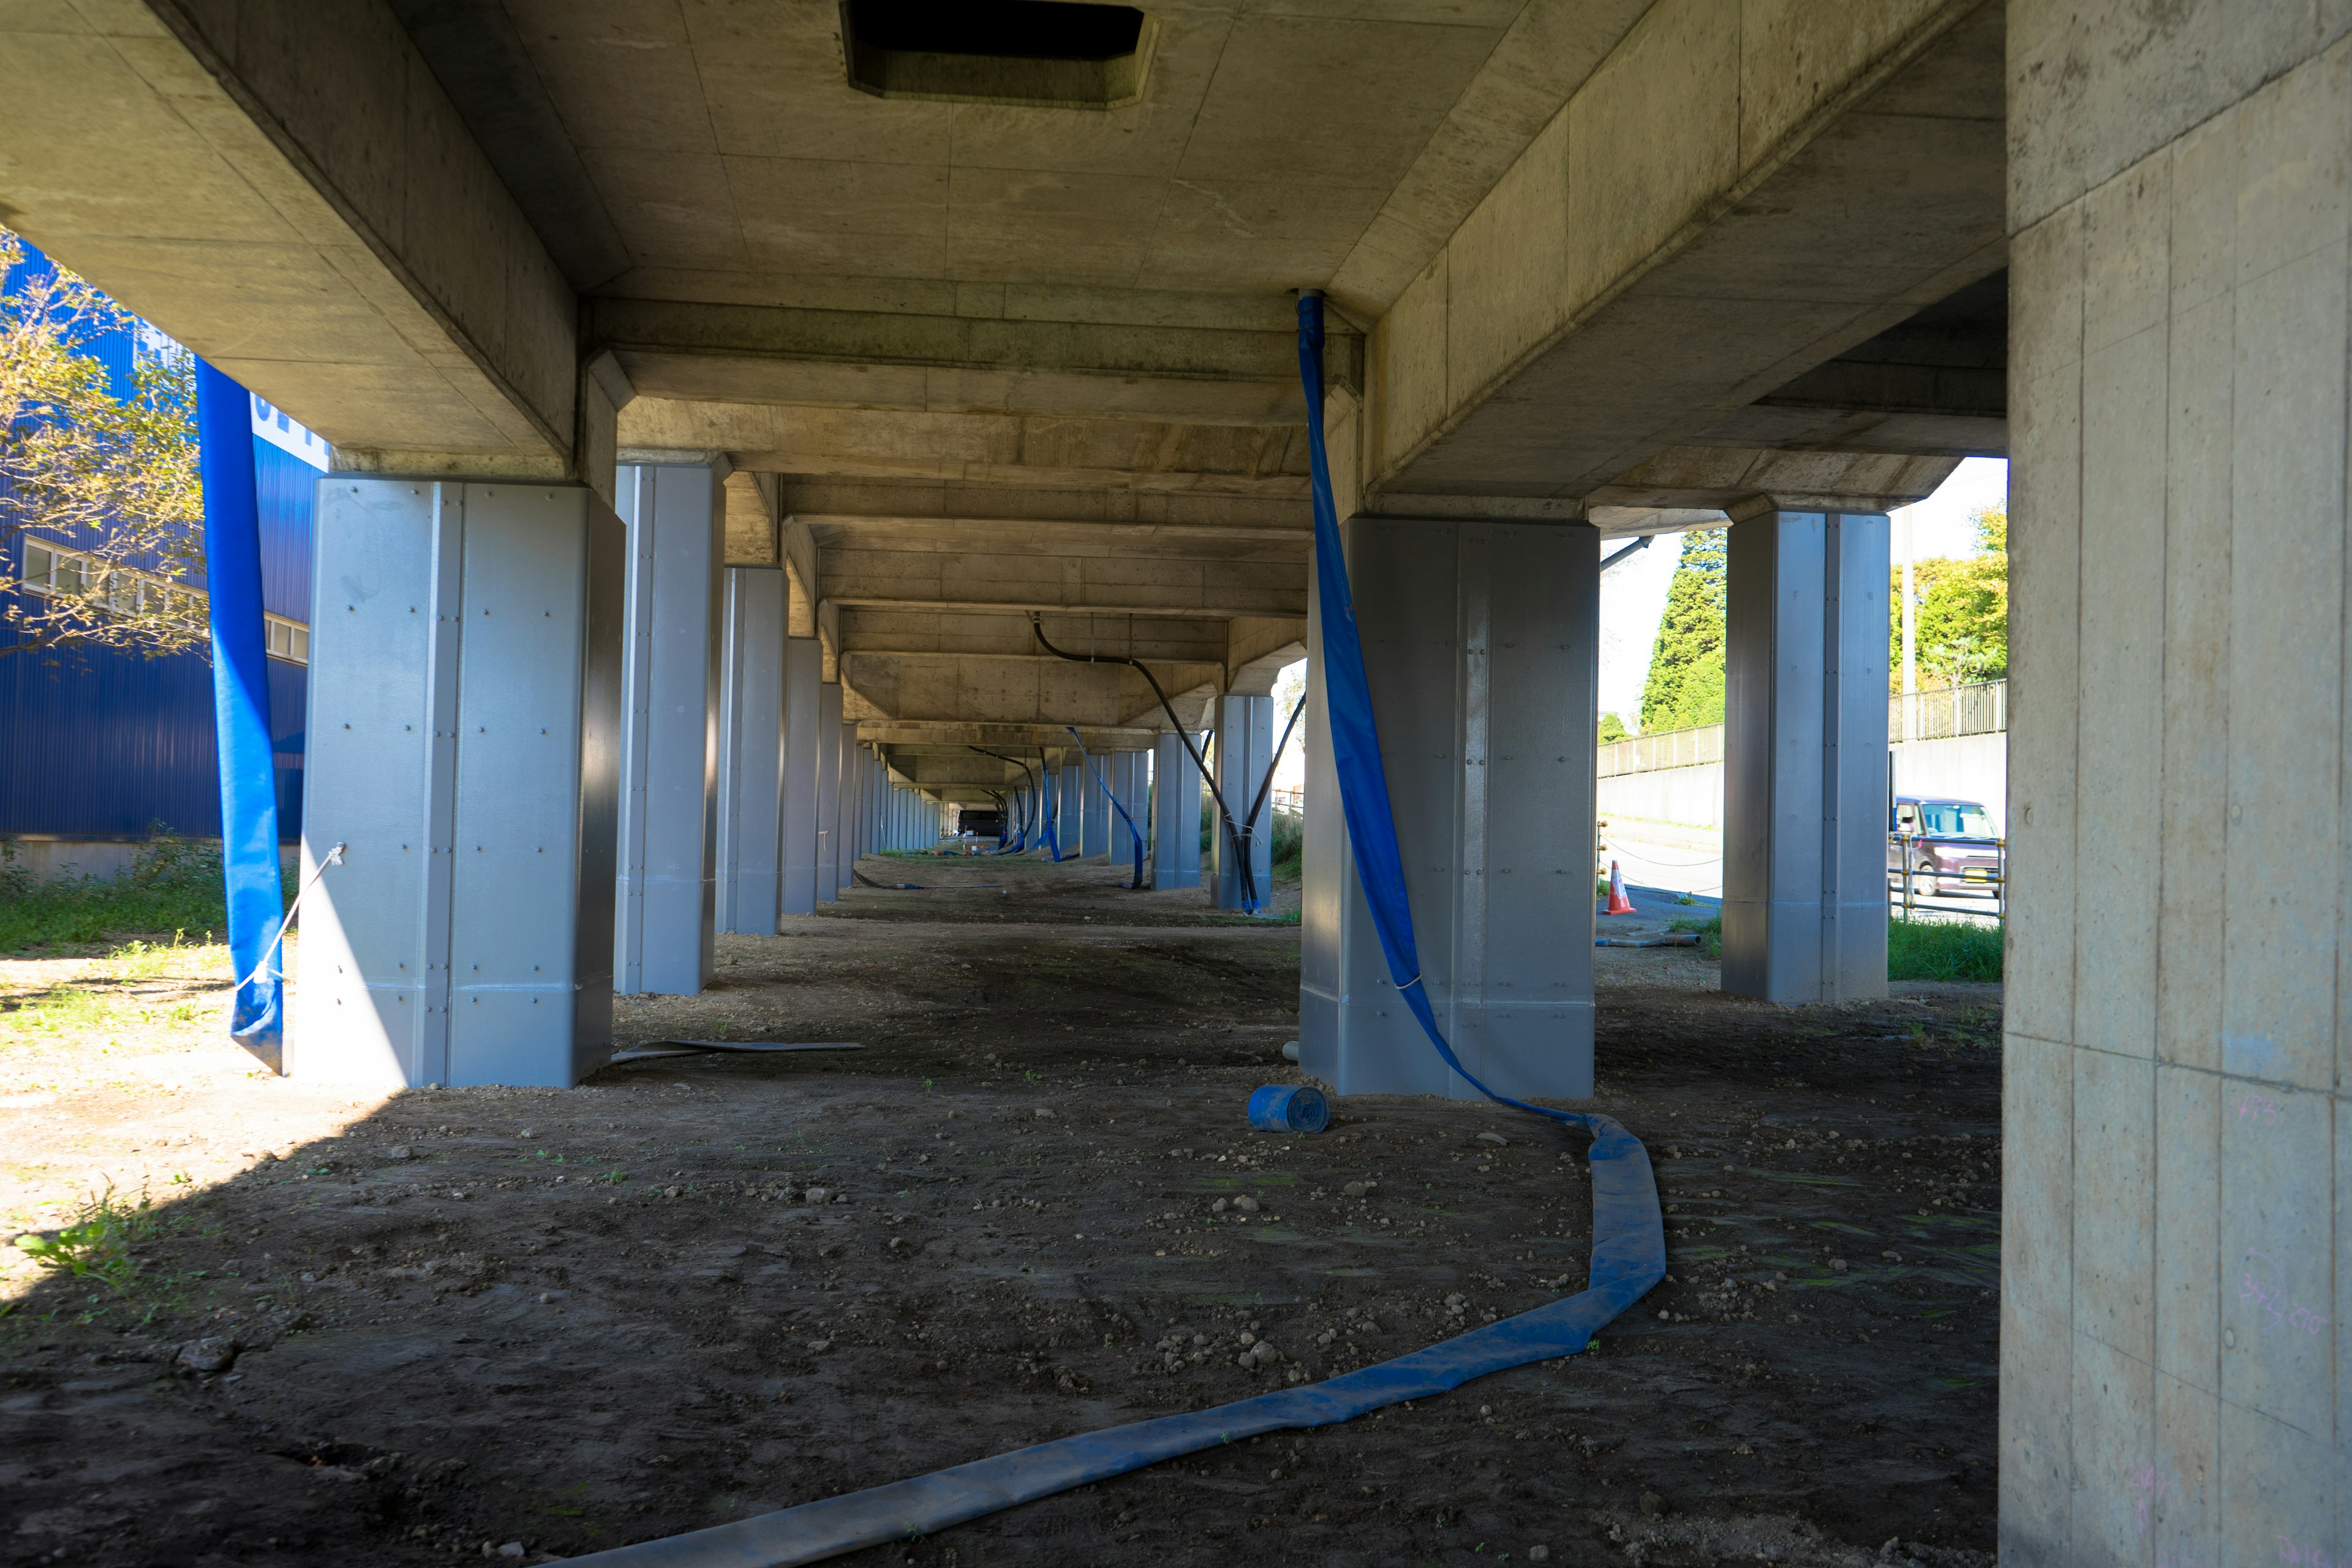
point(1629, 1241)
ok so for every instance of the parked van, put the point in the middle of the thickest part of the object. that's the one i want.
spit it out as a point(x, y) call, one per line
point(1951, 847)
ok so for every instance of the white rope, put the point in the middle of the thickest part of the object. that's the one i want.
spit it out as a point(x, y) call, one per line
point(334, 858)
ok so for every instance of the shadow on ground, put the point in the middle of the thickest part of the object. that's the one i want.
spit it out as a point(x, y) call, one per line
point(692, 1290)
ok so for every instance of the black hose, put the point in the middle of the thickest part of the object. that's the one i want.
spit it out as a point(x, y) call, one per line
point(1240, 836)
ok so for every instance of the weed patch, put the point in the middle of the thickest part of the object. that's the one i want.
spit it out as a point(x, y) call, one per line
point(1942, 950)
point(98, 1243)
point(1709, 932)
point(174, 886)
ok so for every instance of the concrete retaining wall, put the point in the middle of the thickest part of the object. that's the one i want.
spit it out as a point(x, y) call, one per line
point(1970, 767)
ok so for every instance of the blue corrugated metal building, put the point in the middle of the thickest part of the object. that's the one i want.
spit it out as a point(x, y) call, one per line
point(105, 744)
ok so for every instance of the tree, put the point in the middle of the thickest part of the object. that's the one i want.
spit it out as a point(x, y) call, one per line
point(1684, 688)
point(1612, 728)
point(100, 492)
point(1962, 618)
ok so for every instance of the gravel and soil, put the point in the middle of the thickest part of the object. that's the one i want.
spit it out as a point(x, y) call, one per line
point(529, 1323)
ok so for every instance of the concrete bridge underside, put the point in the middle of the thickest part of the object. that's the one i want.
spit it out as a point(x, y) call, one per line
point(789, 404)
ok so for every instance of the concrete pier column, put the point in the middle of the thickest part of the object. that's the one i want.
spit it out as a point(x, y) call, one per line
point(1481, 643)
point(1070, 805)
point(852, 755)
point(1176, 816)
point(1804, 747)
point(1097, 821)
point(751, 751)
point(668, 895)
point(1245, 728)
point(804, 676)
point(1129, 771)
point(828, 792)
point(464, 710)
point(2176, 1142)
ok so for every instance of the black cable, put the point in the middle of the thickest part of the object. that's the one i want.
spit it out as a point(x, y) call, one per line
point(1240, 835)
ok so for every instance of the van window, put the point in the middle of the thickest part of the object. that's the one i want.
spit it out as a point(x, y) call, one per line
point(1954, 819)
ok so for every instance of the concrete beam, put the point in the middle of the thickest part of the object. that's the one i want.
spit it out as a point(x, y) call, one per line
point(1097, 500)
point(966, 688)
point(1258, 648)
point(911, 734)
point(1734, 478)
point(1182, 586)
point(957, 363)
point(896, 443)
point(298, 202)
point(935, 632)
point(1634, 278)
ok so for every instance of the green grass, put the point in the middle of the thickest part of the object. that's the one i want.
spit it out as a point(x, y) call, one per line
point(174, 886)
point(1915, 950)
point(1942, 950)
point(1710, 932)
point(97, 1242)
point(1290, 843)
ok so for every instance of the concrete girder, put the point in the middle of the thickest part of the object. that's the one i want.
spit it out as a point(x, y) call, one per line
point(1258, 649)
point(1187, 587)
point(1100, 499)
point(959, 363)
point(1730, 477)
point(913, 737)
point(752, 521)
point(896, 443)
point(1049, 693)
point(936, 632)
point(1632, 279)
point(301, 204)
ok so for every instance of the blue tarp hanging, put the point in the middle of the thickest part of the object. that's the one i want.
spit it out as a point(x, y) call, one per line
point(241, 708)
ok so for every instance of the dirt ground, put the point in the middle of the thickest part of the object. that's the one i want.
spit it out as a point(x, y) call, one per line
point(538, 1322)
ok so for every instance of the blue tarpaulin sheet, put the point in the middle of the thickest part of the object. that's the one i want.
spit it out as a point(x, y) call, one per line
point(249, 782)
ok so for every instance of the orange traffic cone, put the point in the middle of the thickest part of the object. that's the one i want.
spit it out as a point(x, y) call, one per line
point(1619, 904)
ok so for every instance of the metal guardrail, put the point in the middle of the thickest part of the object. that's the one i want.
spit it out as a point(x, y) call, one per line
point(1910, 898)
point(1979, 709)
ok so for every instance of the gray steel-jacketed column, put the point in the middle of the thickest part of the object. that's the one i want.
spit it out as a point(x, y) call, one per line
point(804, 676)
point(1176, 816)
point(751, 751)
point(667, 893)
point(845, 871)
point(1482, 648)
point(828, 792)
point(464, 718)
point(1245, 726)
point(1804, 754)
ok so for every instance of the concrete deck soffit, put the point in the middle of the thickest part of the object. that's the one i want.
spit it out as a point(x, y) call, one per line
point(300, 204)
point(1639, 275)
point(719, 154)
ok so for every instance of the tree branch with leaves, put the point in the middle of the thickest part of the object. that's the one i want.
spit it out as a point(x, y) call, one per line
point(101, 503)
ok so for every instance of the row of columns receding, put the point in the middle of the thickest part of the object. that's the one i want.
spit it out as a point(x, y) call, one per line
point(564, 748)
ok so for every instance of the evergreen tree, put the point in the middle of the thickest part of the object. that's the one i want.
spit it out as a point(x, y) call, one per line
point(1684, 688)
point(1612, 728)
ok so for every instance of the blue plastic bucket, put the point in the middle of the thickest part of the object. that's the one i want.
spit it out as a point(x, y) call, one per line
point(1279, 1108)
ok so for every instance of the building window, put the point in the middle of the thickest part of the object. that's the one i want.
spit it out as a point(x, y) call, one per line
point(55, 572)
point(289, 640)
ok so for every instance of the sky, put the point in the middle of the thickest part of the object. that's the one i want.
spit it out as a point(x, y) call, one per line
point(1634, 595)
